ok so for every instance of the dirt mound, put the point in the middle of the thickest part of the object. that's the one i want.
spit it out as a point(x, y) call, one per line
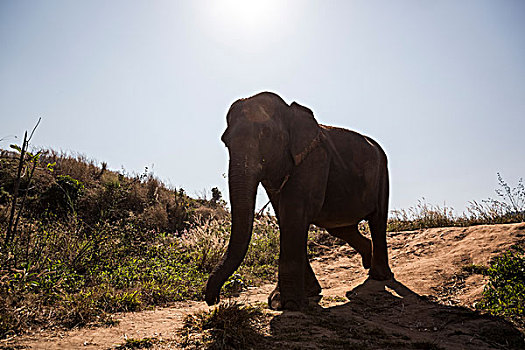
point(428, 306)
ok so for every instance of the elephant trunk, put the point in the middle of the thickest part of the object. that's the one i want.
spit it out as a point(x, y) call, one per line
point(243, 189)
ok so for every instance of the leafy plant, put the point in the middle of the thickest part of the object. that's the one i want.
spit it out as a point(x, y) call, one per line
point(91, 241)
point(62, 196)
point(504, 294)
point(234, 285)
point(24, 158)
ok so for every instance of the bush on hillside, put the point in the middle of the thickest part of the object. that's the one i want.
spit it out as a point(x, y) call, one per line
point(89, 241)
point(504, 294)
point(64, 184)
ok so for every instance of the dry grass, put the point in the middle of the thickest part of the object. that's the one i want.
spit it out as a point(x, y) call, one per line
point(208, 239)
point(65, 184)
point(424, 215)
point(229, 325)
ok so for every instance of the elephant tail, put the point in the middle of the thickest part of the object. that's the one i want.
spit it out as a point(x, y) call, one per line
point(384, 192)
point(383, 184)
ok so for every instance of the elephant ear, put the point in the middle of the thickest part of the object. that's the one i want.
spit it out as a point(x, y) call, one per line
point(304, 131)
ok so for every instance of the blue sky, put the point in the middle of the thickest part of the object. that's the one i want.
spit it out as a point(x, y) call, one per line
point(440, 84)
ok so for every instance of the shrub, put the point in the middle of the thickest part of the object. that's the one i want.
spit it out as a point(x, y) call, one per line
point(64, 184)
point(262, 258)
point(92, 241)
point(62, 195)
point(504, 294)
point(229, 325)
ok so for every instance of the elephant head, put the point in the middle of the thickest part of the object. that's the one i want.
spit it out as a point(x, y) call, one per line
point(266, 138)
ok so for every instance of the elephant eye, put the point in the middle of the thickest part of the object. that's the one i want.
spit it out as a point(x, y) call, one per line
point(265, 131)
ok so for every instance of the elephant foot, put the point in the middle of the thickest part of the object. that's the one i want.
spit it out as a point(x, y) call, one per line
point(275, 302)
point(212, 293)
point(381, 273)
point(291, 305)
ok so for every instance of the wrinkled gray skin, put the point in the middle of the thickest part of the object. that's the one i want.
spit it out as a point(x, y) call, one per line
point(313, 174)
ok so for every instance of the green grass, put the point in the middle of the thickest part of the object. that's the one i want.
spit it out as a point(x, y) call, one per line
point(504, 294)
point(63, 288)
point(84, 249)
point(75, 281)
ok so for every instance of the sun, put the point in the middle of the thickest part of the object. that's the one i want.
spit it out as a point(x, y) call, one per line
point(248, 14)
point(244, 20)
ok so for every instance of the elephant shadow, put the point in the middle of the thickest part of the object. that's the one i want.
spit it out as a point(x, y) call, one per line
point(387, 314)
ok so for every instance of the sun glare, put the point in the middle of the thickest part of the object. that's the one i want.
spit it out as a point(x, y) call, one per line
point(233, 20)
point(248, 13)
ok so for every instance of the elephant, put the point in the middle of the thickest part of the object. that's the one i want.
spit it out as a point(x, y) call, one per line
point(313, 174)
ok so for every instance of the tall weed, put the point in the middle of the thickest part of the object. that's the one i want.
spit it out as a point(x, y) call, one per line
point(509, 208)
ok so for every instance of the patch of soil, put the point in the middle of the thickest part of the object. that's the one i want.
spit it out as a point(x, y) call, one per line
point(428, 306)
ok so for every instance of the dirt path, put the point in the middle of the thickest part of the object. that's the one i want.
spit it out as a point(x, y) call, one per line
point(425, 308)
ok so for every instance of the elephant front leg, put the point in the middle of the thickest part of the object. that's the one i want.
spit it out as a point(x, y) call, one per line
point(312, 289)
point(291, 284)
point(292, 260)
point(299, 201)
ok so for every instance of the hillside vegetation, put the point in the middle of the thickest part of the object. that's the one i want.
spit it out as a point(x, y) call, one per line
point(432, 304)
point(80, 242)
point(83, 241)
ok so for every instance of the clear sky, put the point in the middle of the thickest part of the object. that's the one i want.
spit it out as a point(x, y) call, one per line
point(439, 84)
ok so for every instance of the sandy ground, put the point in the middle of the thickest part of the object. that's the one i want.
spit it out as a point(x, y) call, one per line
point(428, 306)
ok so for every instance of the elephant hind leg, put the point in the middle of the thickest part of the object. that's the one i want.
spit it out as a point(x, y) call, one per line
point(356, 240)
point(380, 269)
